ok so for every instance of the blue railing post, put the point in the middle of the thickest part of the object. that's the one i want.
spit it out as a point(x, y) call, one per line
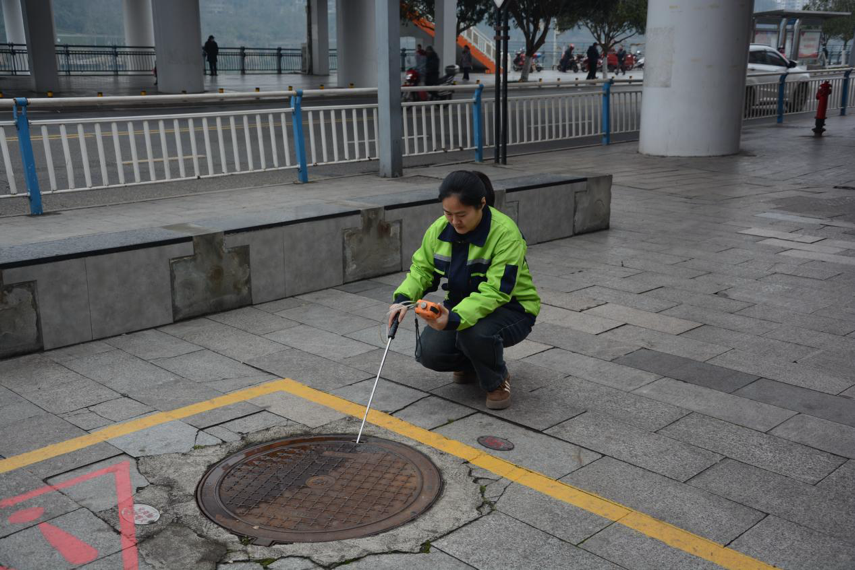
point(844, 93)
point(607, 111)
point(299, 141)
point(478, 120)
point(19, 112)
point(782, 84)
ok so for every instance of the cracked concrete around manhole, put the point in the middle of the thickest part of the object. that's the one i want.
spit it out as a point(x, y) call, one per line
point(184, 530)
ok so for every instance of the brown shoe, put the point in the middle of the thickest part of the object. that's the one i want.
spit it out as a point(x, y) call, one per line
point(465, 377)
point(500, 398)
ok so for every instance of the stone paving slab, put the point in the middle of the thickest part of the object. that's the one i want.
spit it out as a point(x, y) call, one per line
point(687, 370)
point(833, 408)
point(23, 481)
point(433, 560)
point(501, 542)
point(310, 369)
point(600, 371)
point(389, 396)
point(781, 496)
point(631, 549)
point(821, 434)
point(319, 342)
point(792, 546)
point(151, 344)
point(751, 343)
point(432, 412)
point(734, 409)
point(229, 341)
point(754, 448)
point(580, 342)
point(565, 521)
point(644, 319)
point(120, 371)
point(98, 494)
point(205, 366)
point(172, 437)
point(542, 453)
point(788, 373)
point(635, 446)
point(684, 506)
point(682, 345)
point(253, 320)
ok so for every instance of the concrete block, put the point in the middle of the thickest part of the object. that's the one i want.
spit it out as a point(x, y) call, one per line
point(686, 507)
point(313, 260)
point(213, 279)
point(130, 290)
point(267, 261)
point(789, 545)
point(593, 205)
point(728, 407)
point(611, 437)
point(20, 330)
point(754, 448)
point(373, 248)
point(413, 221)
point(62, 294)
point(546, 213)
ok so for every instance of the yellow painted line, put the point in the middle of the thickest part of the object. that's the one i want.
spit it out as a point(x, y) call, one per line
point(110, 432)
point(659, 530)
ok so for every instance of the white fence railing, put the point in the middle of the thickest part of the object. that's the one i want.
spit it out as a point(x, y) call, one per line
point(66, 155)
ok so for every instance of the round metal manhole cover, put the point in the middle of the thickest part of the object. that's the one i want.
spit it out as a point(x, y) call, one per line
point(318, 489)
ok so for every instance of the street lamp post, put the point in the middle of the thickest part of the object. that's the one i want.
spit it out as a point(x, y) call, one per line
point(500, 107)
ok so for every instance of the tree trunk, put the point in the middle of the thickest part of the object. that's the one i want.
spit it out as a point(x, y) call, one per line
point(526, 68)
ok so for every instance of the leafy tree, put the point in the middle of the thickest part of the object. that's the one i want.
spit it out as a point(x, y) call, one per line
point(611, 22)
point(469, 12)
point(534, 18)
point(837, 28)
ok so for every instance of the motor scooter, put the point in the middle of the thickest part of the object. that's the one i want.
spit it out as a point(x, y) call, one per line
point(412, 79)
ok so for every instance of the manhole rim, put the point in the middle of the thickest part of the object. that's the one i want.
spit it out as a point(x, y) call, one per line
point(225, 518)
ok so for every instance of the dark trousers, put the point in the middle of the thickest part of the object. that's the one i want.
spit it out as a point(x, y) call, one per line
point(212, 65)
point(466, 73)
point(592, 69)
point(479, 348)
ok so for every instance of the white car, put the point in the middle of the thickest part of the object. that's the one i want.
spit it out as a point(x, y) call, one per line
point(761, 89)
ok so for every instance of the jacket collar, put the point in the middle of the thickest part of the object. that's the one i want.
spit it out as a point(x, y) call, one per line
point(478, 236)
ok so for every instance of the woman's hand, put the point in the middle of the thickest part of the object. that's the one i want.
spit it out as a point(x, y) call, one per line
point(440, 322)
point(398, 311)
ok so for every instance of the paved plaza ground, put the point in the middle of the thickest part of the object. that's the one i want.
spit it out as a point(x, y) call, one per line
point(693, 365)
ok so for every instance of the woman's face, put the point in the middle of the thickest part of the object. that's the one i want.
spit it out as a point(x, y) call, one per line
point(464, 218)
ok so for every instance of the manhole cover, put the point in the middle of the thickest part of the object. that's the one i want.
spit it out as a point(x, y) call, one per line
point(317, 489)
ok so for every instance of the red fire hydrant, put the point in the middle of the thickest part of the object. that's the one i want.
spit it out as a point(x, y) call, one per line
point(821, 96)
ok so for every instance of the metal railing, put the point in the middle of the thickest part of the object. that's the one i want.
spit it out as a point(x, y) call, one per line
point(778, 95)
point(66, 155)
point(140, 60)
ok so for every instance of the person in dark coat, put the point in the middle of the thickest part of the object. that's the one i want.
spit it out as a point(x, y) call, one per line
point(593, 59)
point(566, 59)
point(211, 51)
point(466, 62)
point(621, 59)
point(431, 67)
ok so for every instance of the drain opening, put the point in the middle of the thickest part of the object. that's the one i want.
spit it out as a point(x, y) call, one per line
point(318, 489)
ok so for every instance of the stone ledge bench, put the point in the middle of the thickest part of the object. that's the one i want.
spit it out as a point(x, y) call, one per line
point(59, 293)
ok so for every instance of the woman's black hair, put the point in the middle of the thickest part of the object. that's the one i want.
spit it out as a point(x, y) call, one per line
point(470, 186)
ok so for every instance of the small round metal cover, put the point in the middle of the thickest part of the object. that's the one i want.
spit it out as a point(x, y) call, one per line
point(495, 443)
point(318, 489)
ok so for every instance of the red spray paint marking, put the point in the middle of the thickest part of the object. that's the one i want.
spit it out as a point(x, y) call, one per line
point(69, 545)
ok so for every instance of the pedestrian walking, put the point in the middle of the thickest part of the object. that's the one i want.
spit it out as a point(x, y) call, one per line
point(466, 62)
point(566, 59)
point(211, 51)
point(593, 59)
point(491, 302)
point(431, 67)
point(621, 59)
point(421, 62)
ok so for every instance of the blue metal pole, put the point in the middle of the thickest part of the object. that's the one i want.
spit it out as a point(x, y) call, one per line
point(478, 119)
point(782, 82)
point(26, 146)
point(607, 107)
point(844, 94)
point(299, 141)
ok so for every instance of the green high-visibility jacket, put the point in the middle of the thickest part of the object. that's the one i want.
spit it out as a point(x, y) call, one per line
point(485, 269)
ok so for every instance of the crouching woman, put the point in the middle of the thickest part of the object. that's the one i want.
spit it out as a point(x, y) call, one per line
point(491, 302)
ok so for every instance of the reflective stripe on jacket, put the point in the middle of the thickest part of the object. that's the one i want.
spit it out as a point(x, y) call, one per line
point(485, 269)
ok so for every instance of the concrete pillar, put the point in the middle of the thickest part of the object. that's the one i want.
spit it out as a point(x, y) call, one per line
point(319, 22)
point(445, 40)
point(13, 20)
point(41, 46)
point(178, 46)
point(390, 125)
point(139, 27)
point(357, 54)
point(690, 108)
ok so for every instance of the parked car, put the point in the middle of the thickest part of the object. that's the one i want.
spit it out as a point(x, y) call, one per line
point(762, 90)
